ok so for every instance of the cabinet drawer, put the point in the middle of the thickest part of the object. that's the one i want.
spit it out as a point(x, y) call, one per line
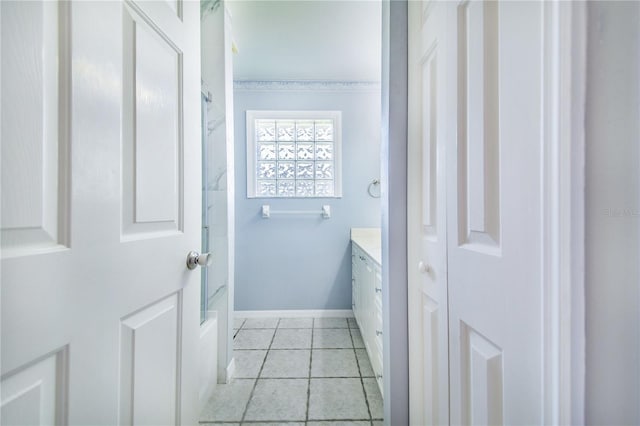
point(378, 345)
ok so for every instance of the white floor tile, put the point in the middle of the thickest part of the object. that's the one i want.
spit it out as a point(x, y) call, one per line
point(334, 363)
point(253, 339)
point(287, 364)
point(296, 323)
point(260, 323)
point(330, 323)
point(292, 339)
point(248, 363)
point(337, 399)
point(331, 338)
point(228, 401)
point(278, 399)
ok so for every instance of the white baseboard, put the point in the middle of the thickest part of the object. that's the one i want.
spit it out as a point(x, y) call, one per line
point(231, 370)
point(317, 313)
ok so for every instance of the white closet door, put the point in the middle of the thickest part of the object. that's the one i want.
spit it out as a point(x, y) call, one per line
point(494, 214)
point(475, 217)
point(430, 76)
point(100, 205)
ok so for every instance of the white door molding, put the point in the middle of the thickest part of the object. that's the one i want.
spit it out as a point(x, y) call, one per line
point(563, 211)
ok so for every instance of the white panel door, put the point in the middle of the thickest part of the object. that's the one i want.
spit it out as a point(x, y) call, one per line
point(100, 206)
point(429, 74)
point(494, 214)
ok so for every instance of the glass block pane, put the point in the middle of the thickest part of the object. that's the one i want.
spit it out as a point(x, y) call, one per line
point(304, 130)
point(286, 130)
point(286, 188)
point(324, 188)
point(286, 170)
point(266, 170)
point(324, 151)
point(295, 158)
point(266, 130)
point(286, 151)
point(305, 170)
point(266, 151)
point(305, 151)
point(266, 188)
point(305, 188)
point(324, 170)
point(324, 130)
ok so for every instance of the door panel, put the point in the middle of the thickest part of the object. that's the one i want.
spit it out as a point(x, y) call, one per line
point(35, 395)
point(157, 125)
point(481, 379)
point(148, 381)
point(478, 138)
point(430, 352)
point(34, 213)
point(153, 122)
point(106, 295)
point(428, 322)
point(494, 215)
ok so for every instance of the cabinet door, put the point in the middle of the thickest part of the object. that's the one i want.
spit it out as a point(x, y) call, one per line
point(354, 274)
point(369, 293)
point(356, 278)
point(430, 79)
point(377, 323)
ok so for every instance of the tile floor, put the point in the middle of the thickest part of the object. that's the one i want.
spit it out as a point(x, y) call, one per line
point(297, 372)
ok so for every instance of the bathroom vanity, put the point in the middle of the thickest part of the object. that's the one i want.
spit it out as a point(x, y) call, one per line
point(366, 287)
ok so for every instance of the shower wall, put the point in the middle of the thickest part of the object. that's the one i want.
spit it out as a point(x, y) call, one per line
point(217, 79)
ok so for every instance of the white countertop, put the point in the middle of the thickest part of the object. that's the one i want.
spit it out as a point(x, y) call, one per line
point(369, 240)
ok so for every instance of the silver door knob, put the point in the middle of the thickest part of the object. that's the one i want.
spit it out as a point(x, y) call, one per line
point(194, 259)
point(423, 267)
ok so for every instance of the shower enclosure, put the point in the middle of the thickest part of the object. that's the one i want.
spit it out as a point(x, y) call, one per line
point(204, 282)
point(218, 181)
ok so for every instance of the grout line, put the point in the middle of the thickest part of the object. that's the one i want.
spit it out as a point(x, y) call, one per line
point(337, 347)
point(277, 349)
point(313, 322)
point(364, 391)
point(306, 377)
point(255, 384)
point(277, 422)
point(239, 328)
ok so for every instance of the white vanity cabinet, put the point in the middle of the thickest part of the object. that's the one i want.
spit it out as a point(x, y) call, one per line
point(367, 300)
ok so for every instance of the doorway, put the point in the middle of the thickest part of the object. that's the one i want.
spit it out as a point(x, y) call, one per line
point(294, 259)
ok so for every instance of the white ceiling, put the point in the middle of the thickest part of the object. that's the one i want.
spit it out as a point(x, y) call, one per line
point(306, 39)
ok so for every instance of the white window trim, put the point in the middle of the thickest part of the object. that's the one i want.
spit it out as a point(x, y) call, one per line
point(253, 115)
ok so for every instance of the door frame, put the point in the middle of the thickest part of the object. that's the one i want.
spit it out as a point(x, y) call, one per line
point(393, 158)
point(562, 210)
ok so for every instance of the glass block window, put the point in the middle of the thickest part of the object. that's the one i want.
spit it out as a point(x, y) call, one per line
point(294, 154)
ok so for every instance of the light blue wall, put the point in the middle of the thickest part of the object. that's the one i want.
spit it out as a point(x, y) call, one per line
point(304, 262)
